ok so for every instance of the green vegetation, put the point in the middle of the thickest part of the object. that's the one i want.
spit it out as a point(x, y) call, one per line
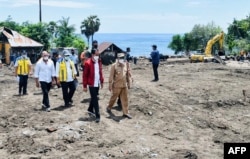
point(194, 40)
point(56, 33)
point(236, 39)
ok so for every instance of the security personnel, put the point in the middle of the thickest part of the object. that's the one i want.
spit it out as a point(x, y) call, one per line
point(22, 70)
point(119, 84)
point(66, 74)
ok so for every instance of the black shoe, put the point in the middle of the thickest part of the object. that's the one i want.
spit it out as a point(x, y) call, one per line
point(91, 114)
point(155, 80)
point(108, 110)
point(67, 105)
point(97, 120)
point(127, 116)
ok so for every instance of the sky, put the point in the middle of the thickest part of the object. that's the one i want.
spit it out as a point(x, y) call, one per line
point(130, 16)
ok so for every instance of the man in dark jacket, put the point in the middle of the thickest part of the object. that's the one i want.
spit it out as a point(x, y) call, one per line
point(155, 62)
point(93, 78)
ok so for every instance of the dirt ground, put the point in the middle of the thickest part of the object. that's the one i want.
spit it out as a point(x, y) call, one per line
point(188, 114)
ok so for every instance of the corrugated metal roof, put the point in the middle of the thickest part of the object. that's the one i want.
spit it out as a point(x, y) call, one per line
point(17, 40)
point(108, 45)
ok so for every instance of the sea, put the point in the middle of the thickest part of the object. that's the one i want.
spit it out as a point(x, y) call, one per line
point(140, 44)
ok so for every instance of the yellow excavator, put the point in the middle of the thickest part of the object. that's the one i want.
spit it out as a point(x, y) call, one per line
point(208, 51)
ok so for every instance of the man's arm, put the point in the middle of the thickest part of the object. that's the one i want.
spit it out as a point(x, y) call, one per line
point(111, 76)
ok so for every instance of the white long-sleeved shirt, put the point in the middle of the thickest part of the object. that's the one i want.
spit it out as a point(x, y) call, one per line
point(44, 71)
point(69, 70)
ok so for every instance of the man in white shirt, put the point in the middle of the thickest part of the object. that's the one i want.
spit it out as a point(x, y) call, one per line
point(65, 75)
point(45, 77)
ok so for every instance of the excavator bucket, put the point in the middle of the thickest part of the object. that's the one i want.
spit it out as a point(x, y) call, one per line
point(218, 59)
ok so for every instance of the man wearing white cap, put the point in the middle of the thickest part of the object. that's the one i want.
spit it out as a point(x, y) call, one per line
point(66, 73)
point(22, 70)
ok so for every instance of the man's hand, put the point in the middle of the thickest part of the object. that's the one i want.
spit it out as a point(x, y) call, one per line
point(58, 81)
point(110, 88)
point(37, 84)
point(85, 89)
point(53, 82)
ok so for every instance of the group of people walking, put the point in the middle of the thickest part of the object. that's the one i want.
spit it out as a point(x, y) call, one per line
point(63, 72)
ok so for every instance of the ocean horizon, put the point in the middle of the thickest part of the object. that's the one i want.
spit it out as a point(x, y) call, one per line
point(140, 43)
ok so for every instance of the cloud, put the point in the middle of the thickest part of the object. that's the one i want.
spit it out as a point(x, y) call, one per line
point(51, 3)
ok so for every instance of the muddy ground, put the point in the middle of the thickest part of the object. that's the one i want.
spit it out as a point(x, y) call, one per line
point(189, 113)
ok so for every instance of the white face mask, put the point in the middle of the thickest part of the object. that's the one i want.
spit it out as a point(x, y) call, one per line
point(121, 61)
point(66, 58)
point(96, 58)
point(45, 58)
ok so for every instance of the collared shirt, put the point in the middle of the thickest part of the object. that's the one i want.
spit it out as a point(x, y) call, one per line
point(89, 73)
point(155, 57)
point(74, 58)
point(44, 71)
point(97, 75)
point(70, 70)
point(118, 75)
point(22, 58)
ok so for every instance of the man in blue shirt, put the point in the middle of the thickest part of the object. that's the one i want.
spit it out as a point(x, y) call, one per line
point(75, 59)
point(155, 62)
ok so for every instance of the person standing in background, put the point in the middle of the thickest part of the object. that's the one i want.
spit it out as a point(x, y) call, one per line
point(128, 57)
point(22, 71)
point(93, 78)
point(155, 62)
point(85, 55)
point(45, 77)
point(75, 59)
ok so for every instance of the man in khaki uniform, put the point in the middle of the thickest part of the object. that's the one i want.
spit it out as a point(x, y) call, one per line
point(119, 84)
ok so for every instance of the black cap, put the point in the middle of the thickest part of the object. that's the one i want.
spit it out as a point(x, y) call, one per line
point(154, 46)
point(95, 41)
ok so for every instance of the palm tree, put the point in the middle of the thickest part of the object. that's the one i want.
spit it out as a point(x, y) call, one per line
point(64, 27)
point(89, 26)
point(65, 32)
point(85, 31)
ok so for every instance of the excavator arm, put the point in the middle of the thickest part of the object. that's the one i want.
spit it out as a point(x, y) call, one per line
point(210, 43)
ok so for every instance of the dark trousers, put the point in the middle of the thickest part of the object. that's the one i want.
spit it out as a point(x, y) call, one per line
point(77, 71)
point(94, 104)
point(45, 89)
point(155, 67)
point(23, 81)
point(68, 90)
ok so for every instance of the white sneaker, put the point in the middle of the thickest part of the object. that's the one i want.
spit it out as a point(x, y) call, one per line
point(47, 109)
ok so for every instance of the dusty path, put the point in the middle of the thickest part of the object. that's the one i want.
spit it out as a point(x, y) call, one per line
point(191, 111)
